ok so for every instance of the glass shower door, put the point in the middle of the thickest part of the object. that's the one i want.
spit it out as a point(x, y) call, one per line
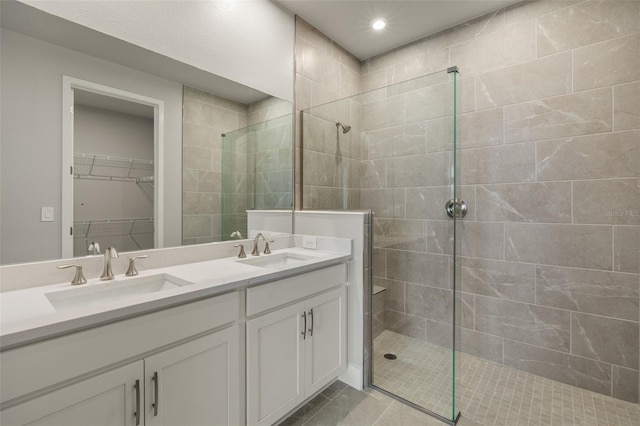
point(257, 173)
point(392, 151)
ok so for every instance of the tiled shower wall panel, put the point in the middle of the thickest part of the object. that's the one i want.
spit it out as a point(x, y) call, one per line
point(331, 158)
point(325, 72)
point(271, 161)
point(257, 164)
point(267, 109)
point(549, 163)
point(235, 181)
point(269, 166)
point(205, 118)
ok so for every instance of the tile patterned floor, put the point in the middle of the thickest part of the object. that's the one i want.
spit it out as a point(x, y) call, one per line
point(491, 394)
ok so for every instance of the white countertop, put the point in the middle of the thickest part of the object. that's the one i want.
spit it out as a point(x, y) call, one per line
point(27, 316)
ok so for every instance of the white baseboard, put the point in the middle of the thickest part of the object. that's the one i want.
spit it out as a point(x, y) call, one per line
point(352, 377)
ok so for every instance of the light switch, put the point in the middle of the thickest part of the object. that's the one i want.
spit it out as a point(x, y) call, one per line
point(46, 214)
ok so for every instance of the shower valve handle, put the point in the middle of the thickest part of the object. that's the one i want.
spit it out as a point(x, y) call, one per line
point(457, 208)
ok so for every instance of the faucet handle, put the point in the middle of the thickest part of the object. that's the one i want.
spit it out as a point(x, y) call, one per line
point(267, 250)
point(132, 271)
point(242, 254)
point(78, 278)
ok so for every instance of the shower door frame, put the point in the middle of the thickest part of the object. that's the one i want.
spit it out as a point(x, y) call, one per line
point(368, 294)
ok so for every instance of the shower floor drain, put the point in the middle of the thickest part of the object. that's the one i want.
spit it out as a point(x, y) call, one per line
point(390, 356)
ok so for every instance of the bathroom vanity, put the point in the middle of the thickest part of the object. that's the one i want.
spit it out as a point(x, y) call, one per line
point(226, 342)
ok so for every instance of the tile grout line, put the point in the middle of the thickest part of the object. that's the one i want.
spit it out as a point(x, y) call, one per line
point(325, 406)
point(572, 218)
point(613, 250)
point(571, 70)
point(382, 414)
point(613, 103)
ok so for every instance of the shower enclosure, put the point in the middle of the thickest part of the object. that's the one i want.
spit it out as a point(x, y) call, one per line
point(257, 172)
point(393, 151)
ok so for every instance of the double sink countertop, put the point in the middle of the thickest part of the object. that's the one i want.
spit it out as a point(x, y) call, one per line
point(38, 313)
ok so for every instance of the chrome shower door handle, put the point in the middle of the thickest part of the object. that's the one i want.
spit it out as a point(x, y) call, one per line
point(457, 208)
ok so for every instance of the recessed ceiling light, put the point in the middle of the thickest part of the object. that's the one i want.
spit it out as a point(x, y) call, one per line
point(378, 24)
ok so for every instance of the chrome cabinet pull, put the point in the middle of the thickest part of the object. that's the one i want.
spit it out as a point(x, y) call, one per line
point(304, 329)
point(311, 329)
point(137, 412)
point(155, 394)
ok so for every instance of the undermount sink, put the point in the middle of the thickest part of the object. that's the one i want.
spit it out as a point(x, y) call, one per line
point(94, 294)
point(277, 260)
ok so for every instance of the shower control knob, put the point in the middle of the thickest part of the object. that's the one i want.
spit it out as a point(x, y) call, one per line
point(456, 207)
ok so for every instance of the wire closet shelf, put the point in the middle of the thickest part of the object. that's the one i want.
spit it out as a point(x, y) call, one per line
point(108, 167)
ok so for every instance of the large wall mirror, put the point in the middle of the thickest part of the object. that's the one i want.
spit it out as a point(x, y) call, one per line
point(108, 144)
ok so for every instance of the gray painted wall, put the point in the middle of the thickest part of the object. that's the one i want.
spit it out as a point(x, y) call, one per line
point(31, 108)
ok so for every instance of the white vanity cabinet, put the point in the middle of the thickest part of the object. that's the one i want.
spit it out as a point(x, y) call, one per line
point(186, 365)
point(184, 370)
point(326, 340)
point(108, 399)
point(197, 383)
point(295, 350)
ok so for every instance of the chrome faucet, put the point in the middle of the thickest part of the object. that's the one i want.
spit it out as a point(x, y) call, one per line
point(78, 278)
point(107, 273)
point(267, 250)
point(94, 248)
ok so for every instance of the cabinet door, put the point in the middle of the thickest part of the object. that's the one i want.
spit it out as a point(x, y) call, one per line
point(275, 345)
point(326, 348)
point(108, 399)
point(197, 383)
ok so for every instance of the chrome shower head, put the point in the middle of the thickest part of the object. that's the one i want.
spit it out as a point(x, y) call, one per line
point(345, 129)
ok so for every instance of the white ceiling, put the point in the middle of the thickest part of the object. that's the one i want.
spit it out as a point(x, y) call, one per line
point(348, 22)
point(345, 21)
point(33, 22)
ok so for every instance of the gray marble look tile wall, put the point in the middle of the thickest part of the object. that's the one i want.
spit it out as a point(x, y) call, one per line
point(205, 118)
point(549, 155)
point(548, 160)
point(604, 339)
point(325, 72)
point(626, 107)
point(527, 323)
point(609, 294)
point(586, 23)
point(568, 115)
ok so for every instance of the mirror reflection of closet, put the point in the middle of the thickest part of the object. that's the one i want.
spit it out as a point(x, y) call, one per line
point(113, 174)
